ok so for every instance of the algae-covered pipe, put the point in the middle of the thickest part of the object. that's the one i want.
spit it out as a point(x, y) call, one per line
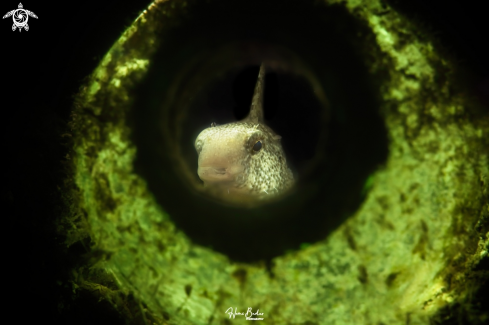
point(388, 219)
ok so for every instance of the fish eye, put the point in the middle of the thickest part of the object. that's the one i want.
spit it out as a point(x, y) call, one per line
point(258, 145)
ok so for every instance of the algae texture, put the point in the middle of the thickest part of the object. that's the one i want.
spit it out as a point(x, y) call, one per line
point(407, 255)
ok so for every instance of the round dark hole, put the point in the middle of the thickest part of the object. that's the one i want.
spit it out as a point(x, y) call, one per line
point(318, 97)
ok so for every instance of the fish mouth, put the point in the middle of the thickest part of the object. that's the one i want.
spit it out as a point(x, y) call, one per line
point(213, 174)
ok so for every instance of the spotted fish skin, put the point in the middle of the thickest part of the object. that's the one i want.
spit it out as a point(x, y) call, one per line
point(229, 162)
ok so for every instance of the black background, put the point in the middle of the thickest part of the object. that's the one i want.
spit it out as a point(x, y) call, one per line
point(42, 69)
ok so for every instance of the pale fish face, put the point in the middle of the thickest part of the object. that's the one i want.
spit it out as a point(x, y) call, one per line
point(222, 157)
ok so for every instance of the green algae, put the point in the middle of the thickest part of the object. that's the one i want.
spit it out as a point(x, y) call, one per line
point(400, 256)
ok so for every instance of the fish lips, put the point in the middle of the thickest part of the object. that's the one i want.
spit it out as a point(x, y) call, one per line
point(218, 174)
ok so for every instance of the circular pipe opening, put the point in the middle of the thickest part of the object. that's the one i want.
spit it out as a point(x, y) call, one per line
point(202, 74)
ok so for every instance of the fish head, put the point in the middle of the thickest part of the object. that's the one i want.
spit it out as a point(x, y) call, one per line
point(228, 152)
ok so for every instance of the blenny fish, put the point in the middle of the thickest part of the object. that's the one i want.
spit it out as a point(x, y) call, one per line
point(244, 159)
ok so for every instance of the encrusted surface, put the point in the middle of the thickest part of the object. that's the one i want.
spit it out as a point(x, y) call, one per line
point(399, 259)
